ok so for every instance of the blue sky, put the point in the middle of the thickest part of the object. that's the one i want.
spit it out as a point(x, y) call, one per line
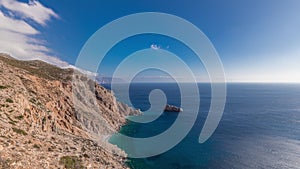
point(257, 40)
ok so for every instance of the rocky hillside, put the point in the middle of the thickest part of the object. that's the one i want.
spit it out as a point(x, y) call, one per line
point(48, 122)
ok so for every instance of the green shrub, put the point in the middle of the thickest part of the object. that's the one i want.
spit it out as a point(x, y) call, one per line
point(3, 87)
point(44, 120)
point(50, 149)
point(19, 117)
point(32, 100)
point(9, 100)
point(71, 162)
point(11, 120)
point(19, 131)
point(12, 123)
point(36, 146)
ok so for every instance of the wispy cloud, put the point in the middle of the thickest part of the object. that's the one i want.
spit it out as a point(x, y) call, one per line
point(18, 37)
point(33, 10)
point(16, 26)
point(155, 47)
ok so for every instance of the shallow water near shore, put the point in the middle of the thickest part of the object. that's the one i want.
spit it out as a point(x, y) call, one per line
point(260, 128)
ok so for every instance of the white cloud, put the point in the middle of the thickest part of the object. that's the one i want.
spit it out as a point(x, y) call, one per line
point(17, 26)
point(91, 75)
point(18, 37)
point(155, 47)
point(32, 10)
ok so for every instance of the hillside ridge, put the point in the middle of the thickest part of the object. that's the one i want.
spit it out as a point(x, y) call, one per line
point(48, 122)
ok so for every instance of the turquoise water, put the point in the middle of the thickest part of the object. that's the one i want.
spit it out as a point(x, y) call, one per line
point(260, 128)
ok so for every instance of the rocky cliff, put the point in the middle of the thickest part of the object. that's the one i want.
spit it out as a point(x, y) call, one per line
point(48, 122)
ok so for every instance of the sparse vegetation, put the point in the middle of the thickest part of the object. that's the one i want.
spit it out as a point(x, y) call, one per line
point(4, 105)
point(41, 69)
point(8, 100)
point(4, 137)
point(11, 120)
point(3, 87)
point(12, 123)
point(4, 163)
point(36, 146)
point(32, 100)
point(44, 120)
point(86, 156)
point(71, 162)
point(19, 131)
point(21, 117)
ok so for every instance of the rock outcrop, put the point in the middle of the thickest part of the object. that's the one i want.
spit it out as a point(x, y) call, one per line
point(42, 124)
point(171, 108)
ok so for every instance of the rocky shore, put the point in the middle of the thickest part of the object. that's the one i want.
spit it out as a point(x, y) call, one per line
point(42, 124)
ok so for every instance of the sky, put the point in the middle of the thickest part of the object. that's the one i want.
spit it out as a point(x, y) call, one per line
point(257, 41)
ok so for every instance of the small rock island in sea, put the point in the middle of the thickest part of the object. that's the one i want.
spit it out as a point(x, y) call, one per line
point(171, 108)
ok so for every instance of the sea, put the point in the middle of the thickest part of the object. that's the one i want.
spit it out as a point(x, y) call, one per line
point(259, 129)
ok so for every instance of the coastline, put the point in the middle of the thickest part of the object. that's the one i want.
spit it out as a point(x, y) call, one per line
point(129, 162)
point(40, 124)
point(113, 140)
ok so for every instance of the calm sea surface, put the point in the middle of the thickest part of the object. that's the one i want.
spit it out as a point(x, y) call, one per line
point(260, 128)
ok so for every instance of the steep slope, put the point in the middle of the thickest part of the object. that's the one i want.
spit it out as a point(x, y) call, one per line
point(42, 124)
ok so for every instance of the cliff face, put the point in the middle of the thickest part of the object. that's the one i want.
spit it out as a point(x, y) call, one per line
point(47, 122)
